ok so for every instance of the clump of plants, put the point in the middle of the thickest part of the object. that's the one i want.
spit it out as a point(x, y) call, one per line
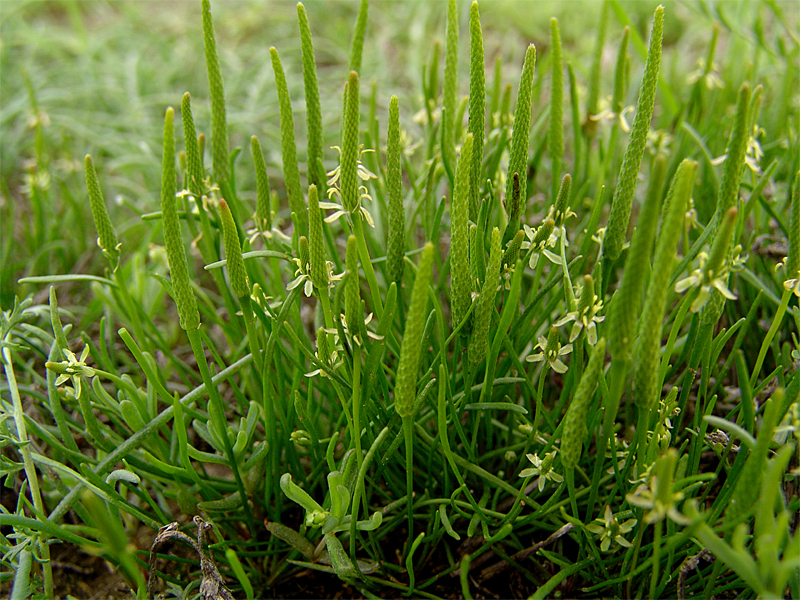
point(539, 351)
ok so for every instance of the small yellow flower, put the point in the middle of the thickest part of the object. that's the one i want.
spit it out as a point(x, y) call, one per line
point(543, 467)
point(551, 351)
point(73, 368)
point(609, 529)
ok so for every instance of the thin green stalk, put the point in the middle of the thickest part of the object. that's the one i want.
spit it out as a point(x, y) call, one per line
point(408, 434)
point(30, 470)
point(216, 413)
point(556, 133)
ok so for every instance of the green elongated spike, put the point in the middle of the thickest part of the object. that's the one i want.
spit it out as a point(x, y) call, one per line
point(291, 173)
point(735, 153)
point(628, 298)
point(352, 299)
point(233, 252)
point(594, 73)
point(620, 79)
point(518, 159)
point(461, 287)
point(395, 245)
point(357, 45)
point(722, 241)
point(562, 200)
point(513, 207)
point(450, 83)
point(512, 250)
point(629, 172)
point(479, 339)
point(648, 344)
point(106, 236)
point(477, 107)
point(729, 193)
point(556, 133)
point(176, 254)
point(410, 351)
point(263, 210)
point(316, 242)
point(574, 430)
point(219, 121)
point(349, 158)
point(316, 174)
point(793, 258)
point(194, 160)
point(473, 252)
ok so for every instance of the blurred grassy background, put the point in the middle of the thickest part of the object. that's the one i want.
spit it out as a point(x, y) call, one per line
point(96, 77)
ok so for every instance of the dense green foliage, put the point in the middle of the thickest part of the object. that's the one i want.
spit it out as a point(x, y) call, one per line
point(395, 342)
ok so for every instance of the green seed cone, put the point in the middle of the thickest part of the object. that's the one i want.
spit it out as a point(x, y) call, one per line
point(461, 286)
point(485, 302)
point(728, 196)
point(219, 122)
point(349, 158)
point(233, 252)
point(316, 174)
point(176, 254)
point(394, 183)
point(628, 298)
point(575, 430)
point(518, 159)
point(263, 211)
point(194, 160)
point(562, 200)
point(513, 208)
point(735, 154)
point(512, 250)
point(477, 106)
point(291, 173)
point(648, 344)
point(620, 80)
point(357, 45)
point(410, 351)
point(450, 83)
point(316, 243)
point(629, 172)
point(556, 133)
point(722, 242)
point(106, 236)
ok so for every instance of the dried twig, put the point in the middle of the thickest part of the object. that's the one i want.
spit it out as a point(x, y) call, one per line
point(523, 554)
point(690, 564)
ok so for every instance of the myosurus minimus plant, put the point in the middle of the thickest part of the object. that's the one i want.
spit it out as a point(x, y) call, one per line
point(503, 339)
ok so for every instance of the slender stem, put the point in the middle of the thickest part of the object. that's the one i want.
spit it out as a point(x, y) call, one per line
point(357, 405)
point(30, 469)
point(776, 321)
point(537, 418)
point(570, 476)
point(249, 323)
point(408, 430)
point(363, 253)
point(217, 413)
point(656, 557)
